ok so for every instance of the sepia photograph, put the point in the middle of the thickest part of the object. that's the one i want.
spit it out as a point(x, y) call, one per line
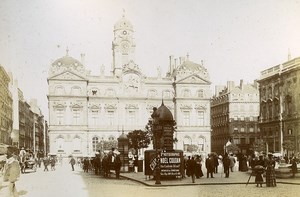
point(149, 98)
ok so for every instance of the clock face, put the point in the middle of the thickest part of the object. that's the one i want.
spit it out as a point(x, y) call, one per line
point(125, 46)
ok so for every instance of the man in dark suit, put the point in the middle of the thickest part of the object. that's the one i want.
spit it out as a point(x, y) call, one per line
point(210, 166)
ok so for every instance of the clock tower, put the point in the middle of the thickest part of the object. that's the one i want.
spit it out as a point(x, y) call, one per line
point(123, 45)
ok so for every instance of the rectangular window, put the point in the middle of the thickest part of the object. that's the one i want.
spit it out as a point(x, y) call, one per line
point(110, 117)
point(200, 118)
point(235, 118)
point(95, 117)
point(235, 129)
point(131, 117)
point(251, 129)
point(251, 118)
point(186, 118)
point(60, 116)
point(236, 140)
point(200, 93)
point(76, 116)
point(243, 140)
point(242, 118)
point(242, 129)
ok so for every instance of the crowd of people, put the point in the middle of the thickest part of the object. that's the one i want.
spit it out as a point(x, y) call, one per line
point(101, 164)
point(213, 164)
point(228, 163)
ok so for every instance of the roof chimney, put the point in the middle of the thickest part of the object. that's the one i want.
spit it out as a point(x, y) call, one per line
point(171, 58)
point(255, 84)
point(241, 84)
point(230, 85)
point(82, 58)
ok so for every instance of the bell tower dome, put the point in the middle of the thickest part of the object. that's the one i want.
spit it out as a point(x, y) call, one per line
point(123, 45)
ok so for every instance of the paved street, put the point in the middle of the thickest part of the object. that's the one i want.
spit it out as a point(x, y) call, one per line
point(63, 182)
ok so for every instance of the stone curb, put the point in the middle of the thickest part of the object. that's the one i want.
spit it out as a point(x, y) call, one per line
point(191, 184)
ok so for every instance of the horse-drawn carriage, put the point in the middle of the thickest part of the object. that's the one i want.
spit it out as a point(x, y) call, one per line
point(28, 164)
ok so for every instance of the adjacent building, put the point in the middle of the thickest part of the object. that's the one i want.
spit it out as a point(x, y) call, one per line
point(234, 116)
point(17, 116)
point(6, 105)
point(85, 109)
point(280, 106)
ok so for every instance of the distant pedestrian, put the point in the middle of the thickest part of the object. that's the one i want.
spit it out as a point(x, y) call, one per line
point(216, 163)
point(192, 168)
point(243, 163)
point(11, 172)
point(226, 164)
point(86, 164)
point(97, 163)
point(210, 166)
point(183, 167)
point(135, 163)
point(72, 162)
point(46, 163)
point(232, 162)
point(52, 163)
point(105, 166)
point(270, 171)
point(118, 165)
point(294, 166)
point(187, 163)
point(259, 170)
point(198, 167)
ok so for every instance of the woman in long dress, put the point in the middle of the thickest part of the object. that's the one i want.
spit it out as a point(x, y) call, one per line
point(270, 172)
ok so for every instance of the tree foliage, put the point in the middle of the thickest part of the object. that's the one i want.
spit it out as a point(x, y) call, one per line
point(138, 139)
point(107, 145)
point(288, 145)
point(259, 146)
point(192, 148)
point(232, 148)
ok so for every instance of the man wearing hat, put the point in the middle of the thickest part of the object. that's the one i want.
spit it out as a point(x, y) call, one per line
point(11, 172)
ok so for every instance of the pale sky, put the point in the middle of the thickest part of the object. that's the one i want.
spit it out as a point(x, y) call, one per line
point(237, 39)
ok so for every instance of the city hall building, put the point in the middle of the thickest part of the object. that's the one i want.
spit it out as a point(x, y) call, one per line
point(85, 110)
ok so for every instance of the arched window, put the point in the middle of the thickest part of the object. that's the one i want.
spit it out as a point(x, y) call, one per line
point(59, 90)
point(76, 91)
point(152, 93)
point(187, 141)
point(95, 141)
point(201, 142)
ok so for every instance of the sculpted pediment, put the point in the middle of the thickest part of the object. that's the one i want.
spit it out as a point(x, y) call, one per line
point(193, 79)
point(67, 76)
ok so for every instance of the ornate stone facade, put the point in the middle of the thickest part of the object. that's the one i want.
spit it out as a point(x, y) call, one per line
point(280, 106)
point(234, 115)
point(85, 109)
